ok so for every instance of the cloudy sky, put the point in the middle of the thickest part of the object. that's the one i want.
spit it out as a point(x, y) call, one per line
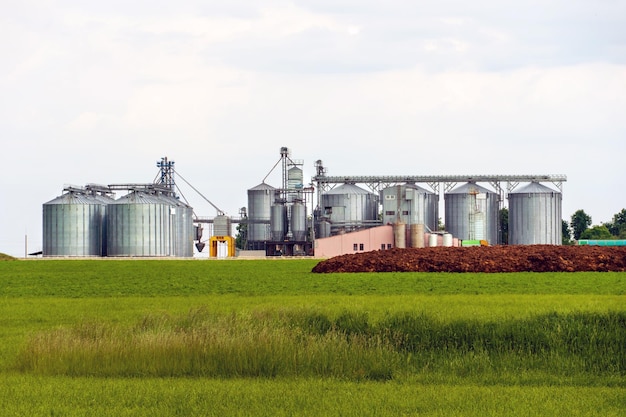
point(98, 92)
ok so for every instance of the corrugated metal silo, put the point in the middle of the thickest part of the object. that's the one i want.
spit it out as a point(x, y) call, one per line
point(222, 225)
point(349, 208)
point(260, 200)
point(535, 216)
point(140, 224)
point(74, 224)
point(411, 204)
point(183, 232)
point(472, 213)
point(278, 222)
point(298, 221)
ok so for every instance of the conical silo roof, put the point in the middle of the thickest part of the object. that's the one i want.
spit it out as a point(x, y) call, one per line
point(347, 189)
point(261, 187)
point(74, 198)
point(470, 188)
point(534, 188)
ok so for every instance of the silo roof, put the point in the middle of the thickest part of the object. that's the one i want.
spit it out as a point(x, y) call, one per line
point(470, 188)
point(137, 197)
point(262, 186)
point(534, 188)
point(347, 189)
point(76, 198)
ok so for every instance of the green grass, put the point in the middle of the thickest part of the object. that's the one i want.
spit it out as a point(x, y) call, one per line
point(154, 278)
point(268, 337)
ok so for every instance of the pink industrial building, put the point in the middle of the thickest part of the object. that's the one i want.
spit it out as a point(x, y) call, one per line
point(375, 238)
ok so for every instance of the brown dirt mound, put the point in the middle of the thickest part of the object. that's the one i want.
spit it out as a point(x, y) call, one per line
point(518, 258)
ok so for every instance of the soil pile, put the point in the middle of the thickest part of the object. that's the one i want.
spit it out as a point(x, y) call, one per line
point(517, 258)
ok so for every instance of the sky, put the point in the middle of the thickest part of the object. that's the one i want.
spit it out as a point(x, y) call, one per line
point(98, 92)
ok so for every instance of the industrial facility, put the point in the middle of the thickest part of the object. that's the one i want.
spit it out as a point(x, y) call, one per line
point(328, 216)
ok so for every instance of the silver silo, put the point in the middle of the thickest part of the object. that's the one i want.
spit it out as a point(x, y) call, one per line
point(222, 225)
point(260, 200)
point(298, 221)
point(472, 213)
point(348, 208)
point(278, 222)
point(535, 215)
point(74, 224)
point(140, 224)
point(411, 204)
point(183, 232)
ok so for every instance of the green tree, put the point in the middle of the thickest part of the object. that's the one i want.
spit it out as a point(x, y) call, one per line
point(617, 226)
point(504, 226)
point(567, 236)
point(580, 222)
point(242, 235)
point(597, 233)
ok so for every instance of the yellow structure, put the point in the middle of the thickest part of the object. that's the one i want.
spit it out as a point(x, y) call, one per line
point(215, 240)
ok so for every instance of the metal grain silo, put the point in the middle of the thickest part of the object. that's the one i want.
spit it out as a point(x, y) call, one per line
point(140, 224)
point(74, 224)
point(278, 222)
point(411, 204)
point(260, 200)
point(298, 224)
point(182, 233)
point(472, 213)
point(348, 208)
point(535, 216)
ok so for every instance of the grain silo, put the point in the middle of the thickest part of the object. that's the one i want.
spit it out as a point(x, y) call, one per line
point(410, 204)
point(260, 201)
point(278, 221)
point(349, 208)
point(140, 224)
point(535, 215)
point(74, 224)
point(298, 221)
point(183, 232)
point(472, 213)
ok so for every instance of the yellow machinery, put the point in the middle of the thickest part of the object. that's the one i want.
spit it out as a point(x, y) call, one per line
point(216, 240)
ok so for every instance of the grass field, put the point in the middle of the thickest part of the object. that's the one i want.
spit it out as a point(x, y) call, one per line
point(268, 337)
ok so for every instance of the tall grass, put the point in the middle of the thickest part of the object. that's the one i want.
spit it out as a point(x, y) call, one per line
point(308, 343)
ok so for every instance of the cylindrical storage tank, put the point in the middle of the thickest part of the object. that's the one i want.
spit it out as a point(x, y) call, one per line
point(182, 226)
point(411, 204)
point(140, 224)
point(222, 225)
point(74, 224)
point(432, 240)
point(323, 229)
point(472, 213)
point(535, 216)
point(260, 200)
point(349, 208)
point(447, 240)
point(417, 235)
point(399, 235)
point(295, 178)
point(278, 222)
point(298, 222)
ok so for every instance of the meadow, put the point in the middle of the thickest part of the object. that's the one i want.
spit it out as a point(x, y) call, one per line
point(268, 337)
